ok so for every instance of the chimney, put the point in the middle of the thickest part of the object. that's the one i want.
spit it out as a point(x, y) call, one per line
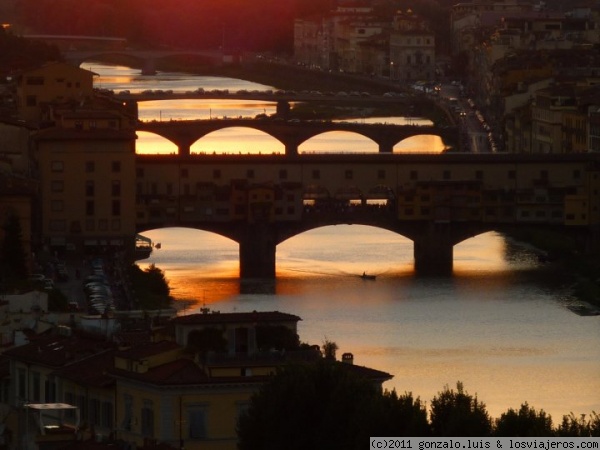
point(348, 358)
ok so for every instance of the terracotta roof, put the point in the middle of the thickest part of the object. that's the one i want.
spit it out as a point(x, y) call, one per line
point(58, 351)
point(90, 372)
point(149, 349)
point(367, 372)
point(249, 317)
point(179, 372)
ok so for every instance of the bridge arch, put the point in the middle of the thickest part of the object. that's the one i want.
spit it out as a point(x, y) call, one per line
point(252, 141)
point(151, 143)
point(414, 144)
point(338, 140)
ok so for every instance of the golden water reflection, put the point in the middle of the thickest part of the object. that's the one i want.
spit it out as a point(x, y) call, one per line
point(244, 140)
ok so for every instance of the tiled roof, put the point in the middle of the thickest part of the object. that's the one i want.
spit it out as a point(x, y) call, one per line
point(179, 372)
point(58, 351)
point(149, 349)
point(366, 372)
point(90, 372)
point(250, 317)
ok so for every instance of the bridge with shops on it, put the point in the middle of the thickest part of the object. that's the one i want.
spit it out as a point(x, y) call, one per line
point(437, 201)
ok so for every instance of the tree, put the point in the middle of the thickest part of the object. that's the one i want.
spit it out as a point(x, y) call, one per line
point(151, 287)
point(526, 422)
point(579, 426)
point(329, 349)
point(324, 405)
point(456, 413)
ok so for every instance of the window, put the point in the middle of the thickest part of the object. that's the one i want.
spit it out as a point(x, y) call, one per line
point(107, 415)
point(147, 414)
point(103, 225)
point(57, 166)
point(89, 188)
point(58, 225)
point(116, 166)
point(250, 173)
point(185, 173)
point(283, 174)
point(116, 207)
point(36, 396)
point(57, 206)
point(414, 175)
point(57, 186)
point(139, 172)
point(95, 415)
point(90, 166)
point(50, 390)
point(348, 174)
point(197, 423)
point(116, 188)
point(381, 174)
point(35, 81)
point(70, 399)
point(128, 412)
point(446, 175)
point(89, 208)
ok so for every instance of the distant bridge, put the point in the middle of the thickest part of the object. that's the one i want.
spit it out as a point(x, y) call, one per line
point(185, 133)
point(148, 57)
point(436, 201)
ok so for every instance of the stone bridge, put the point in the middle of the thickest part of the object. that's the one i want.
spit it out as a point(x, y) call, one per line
point(148, 57)
point(292, 134)
point(436, 201)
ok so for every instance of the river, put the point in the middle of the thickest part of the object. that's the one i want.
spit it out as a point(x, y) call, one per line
point(496, 324)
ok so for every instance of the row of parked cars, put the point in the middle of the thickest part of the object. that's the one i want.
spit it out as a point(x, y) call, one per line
point(97, 289)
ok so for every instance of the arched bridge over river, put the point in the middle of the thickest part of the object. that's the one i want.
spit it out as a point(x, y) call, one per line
point(291, 134)
point(437, 201)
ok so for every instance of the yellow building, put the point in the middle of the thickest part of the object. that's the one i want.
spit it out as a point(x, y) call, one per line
point(174, 389)
point(86, 171)
point(53, 83)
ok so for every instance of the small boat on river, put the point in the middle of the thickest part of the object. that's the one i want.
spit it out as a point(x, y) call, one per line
point(365, 276)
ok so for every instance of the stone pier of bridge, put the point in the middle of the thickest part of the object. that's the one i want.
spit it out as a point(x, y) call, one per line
point(257, 252)
point(433, 251)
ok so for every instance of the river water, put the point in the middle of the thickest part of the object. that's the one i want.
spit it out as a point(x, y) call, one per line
point(498, 324)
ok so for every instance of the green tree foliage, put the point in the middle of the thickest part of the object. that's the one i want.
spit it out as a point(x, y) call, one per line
point(151, 287)
point(526, 422)
point(324, 406)
point(456, 413)
point(13, 260)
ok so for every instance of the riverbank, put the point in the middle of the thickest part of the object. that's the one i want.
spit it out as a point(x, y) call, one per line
point(576, 266)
